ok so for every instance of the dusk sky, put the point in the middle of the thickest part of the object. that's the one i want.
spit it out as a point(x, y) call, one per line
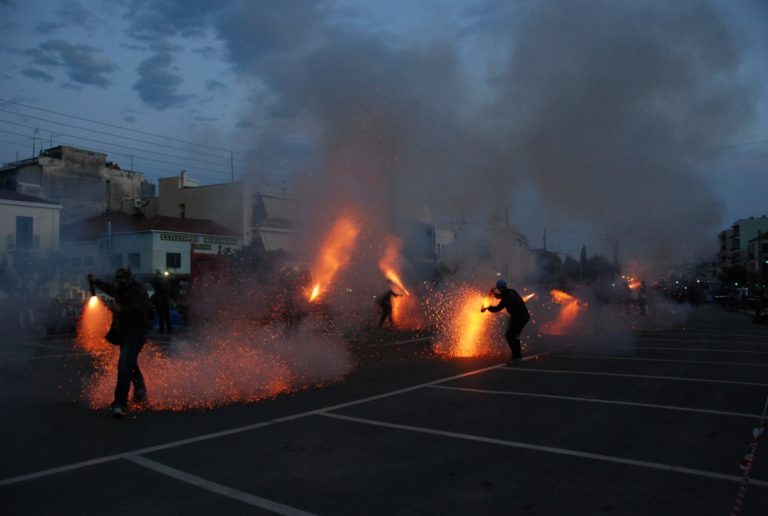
point(585, 117)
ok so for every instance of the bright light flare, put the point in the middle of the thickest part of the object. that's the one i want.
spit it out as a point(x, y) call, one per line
point(560, 297)
point(395, 279)
point(334, 255)
point(315, 292)
point(568, 313)
point(529, 296)
point(390, 263)
point(94, 323)
point(463, 331)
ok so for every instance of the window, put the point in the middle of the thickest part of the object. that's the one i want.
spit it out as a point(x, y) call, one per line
point(172, 260)
point(134, 261)
point(24, 233)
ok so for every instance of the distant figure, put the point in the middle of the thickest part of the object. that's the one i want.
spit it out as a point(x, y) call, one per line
point(626, 294)
point(642, 298)
point(131, 319)
point(162, 301)
point(518, 315)
point(386, 307)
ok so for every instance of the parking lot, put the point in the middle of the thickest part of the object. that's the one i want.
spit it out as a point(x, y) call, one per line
point(658, 423)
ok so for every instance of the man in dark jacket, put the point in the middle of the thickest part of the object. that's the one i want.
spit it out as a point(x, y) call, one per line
point(386, 306)
point(131, 319)
point(518, 315)
point(162, 301)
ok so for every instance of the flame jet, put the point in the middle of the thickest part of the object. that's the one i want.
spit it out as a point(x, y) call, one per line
point(334, 254)
point(390, 262)
point(565, 319)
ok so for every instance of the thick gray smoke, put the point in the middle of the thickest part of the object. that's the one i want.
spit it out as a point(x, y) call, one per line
point(613, 106)
point(601, 109)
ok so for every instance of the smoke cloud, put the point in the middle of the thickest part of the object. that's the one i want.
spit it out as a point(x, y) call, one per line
point(599, 111)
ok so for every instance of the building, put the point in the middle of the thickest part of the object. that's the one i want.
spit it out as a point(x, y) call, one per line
point(28, 225)
point(115, 239)
point(265, 217)
point(757, 257)
point(83, 182)
point(734, 241)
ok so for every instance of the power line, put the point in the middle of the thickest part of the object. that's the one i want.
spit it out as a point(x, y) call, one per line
point(118, 135)
point(118, 145)
point(284, 160)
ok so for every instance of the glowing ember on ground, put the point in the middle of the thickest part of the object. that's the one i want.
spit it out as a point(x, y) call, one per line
point(464, 331)
point(334, 254)
point(246, 363)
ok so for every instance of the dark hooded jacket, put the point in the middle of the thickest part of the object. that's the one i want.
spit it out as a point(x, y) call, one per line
point(514, 304)
point(136, 313)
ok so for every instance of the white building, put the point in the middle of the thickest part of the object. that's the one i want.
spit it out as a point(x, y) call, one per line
point(29, 244)
point(263, 216)
point(111, 240)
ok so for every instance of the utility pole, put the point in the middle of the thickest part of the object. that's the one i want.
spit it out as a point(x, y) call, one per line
point(34, 142)
point(232, 164)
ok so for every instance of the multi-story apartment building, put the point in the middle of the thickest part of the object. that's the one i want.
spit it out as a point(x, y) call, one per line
point(734, 241)
point(83, 182)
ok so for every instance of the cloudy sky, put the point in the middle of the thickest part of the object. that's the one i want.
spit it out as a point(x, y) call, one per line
point(602, 121)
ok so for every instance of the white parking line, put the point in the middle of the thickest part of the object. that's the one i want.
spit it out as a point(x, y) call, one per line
point(232, 431)
point(598, 400)
point(220, 489)
point(627, 375)
point(400, 342)
point(640, 359)
point(547, 449)
point(758, 340)
point(713, 350)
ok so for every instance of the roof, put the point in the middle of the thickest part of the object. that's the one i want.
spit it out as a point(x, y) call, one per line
point(91, 229)
point(10, 195)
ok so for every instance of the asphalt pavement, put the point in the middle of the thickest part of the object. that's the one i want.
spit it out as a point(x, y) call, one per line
point(656, 422)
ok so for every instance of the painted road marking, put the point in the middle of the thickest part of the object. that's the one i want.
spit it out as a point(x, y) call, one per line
point(598, 400)
point(714, 350)
point(232, 431)
point(547, 449)
point(626, 375)
point(220, 489)
point(641, 359)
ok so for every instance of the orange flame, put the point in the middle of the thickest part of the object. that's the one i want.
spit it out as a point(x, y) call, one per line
point(463, 330)
point(239, 364)
point(315, 293)
point(390, 262)
point(334, 254)
point(528, 296)
point(634, 285)
point(93, 325)
point(470, 323)
point(561, 297)
point(567, 315)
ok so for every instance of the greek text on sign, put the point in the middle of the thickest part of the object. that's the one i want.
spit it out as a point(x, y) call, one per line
point(220, 240)
point(175, 237)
